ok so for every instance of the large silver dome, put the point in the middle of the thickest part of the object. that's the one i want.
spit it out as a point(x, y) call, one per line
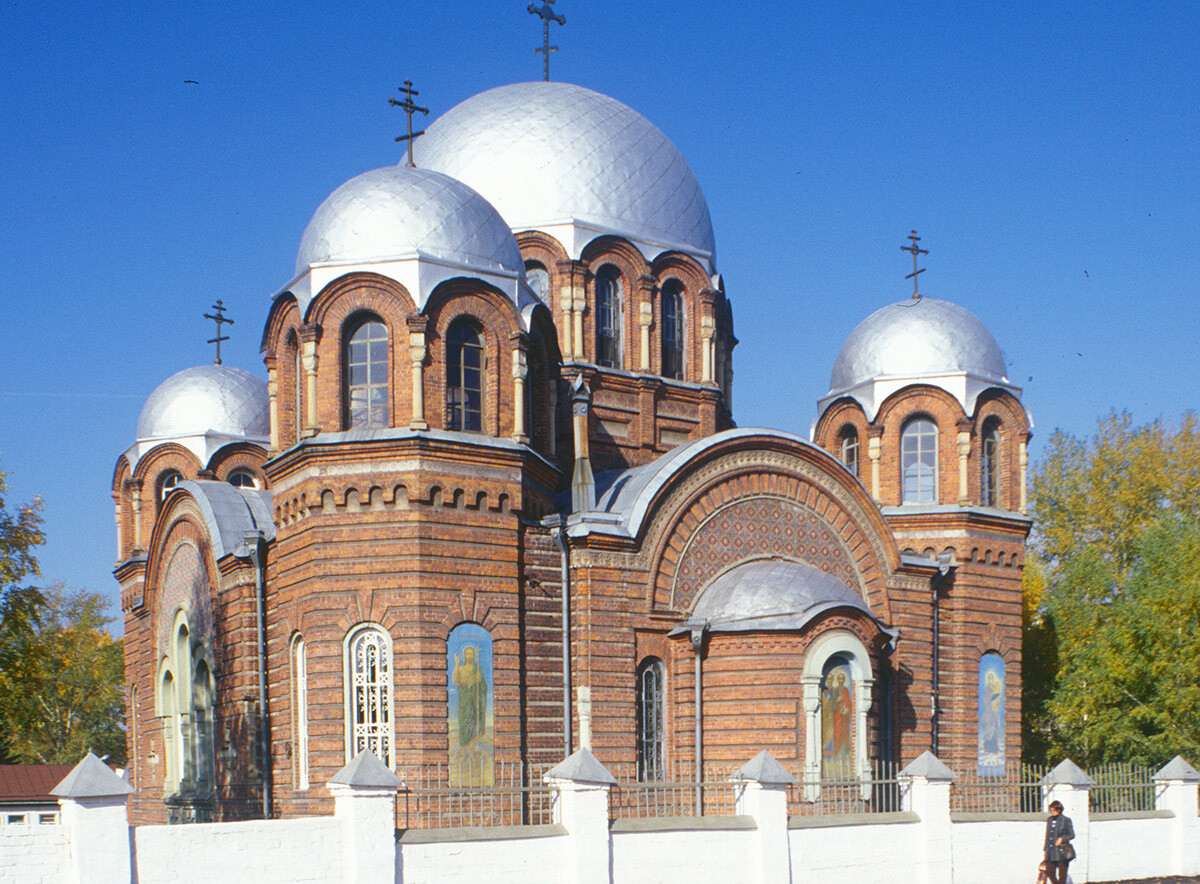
point(548, 153)
point(208, 399)
point(391, 212)
point(916, 337)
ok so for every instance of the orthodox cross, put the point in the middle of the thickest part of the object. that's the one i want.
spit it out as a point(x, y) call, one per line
point(546, 14)
point(409, 108)
point(915, 251)
point(218, 316)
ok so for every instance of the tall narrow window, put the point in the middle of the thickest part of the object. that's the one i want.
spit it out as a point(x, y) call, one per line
point(299, 404)
point(369, 663)
point(918, 461)
point(989, 464)
point(300, 674)
point(202, 729)
point(464, 377)
point(367, 376)
point(170, 731)
point(539, 280)
point(650, 729)
point(849, 449)
point(608, 317)
point(672, 329)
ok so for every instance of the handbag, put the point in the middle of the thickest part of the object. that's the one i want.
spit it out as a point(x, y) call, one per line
point(1066, 851)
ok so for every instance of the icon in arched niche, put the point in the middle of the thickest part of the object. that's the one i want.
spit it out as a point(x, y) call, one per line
point(470, 715)
point(990, 762)
point(837, 720)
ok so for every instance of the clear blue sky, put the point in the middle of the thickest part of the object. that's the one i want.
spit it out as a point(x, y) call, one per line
point(1046, 152)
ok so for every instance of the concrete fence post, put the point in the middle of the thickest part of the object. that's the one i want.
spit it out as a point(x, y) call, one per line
point(364, 802)
point(925, 791)
point(582, 785)
point(1176, 789)
point(762, 794)
point(93, 802)
point(1071, 785)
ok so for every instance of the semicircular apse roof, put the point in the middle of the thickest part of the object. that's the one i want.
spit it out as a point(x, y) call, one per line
point(547, 153)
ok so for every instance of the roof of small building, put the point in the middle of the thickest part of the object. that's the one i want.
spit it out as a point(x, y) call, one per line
point(547, 153)
point(30, 782)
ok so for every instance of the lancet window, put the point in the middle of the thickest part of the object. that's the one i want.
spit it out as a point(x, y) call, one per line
point(369, 712)
point(650, 726)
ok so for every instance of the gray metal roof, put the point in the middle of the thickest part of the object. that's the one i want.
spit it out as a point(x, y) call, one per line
point(915, 337)
point(394, 211)
point(553, 153)
point(91, 778)
point(231, 514)
point(772, 594)
point(207, 399)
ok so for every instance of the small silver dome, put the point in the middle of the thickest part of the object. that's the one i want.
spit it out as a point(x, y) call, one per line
point(390, 212)
point(917, 337)
point(547, 153)
point(208, 399)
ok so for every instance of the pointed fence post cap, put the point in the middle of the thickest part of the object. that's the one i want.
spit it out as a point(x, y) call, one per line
point(581, 767)
point(366, 771)
point(1178, 769)
point(764, 769)
point(930, 767)
point(91, 778)
point(1067, 773)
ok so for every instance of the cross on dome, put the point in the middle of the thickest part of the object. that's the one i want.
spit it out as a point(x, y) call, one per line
point(218, 316)
point(409, 107)
point(915, 251)
point(547, 15)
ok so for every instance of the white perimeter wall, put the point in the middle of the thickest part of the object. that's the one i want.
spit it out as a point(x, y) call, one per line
point(532, 860)
point(683, 857)
point(1127, 848)
point(997, 851)
point(863, 854)
point(33, 854)
point(257, 852)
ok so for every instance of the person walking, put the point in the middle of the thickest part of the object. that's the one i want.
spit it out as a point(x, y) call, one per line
point(1058, 849)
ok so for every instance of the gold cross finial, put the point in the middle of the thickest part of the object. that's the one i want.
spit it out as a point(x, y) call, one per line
point(409, 108)
point(218, 316)
point(547, 15)
point(915, 251)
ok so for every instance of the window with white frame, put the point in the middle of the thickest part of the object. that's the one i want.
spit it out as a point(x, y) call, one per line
point(169, 480)
point(989, 464)
point(918, 461)
point(848, 453)
point(650, 726)
point(369, 709)
point(242, 478)
point(837, 682)
point(672, 329)
point(300, 678)
point(608, 317)
point(366, 386)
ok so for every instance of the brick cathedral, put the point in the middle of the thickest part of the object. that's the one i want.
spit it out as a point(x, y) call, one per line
point(492, 505)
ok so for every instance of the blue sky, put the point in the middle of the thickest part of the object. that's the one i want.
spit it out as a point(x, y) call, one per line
point(1045, 152)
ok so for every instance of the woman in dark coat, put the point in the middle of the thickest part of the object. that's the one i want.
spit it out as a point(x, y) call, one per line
point(1059, 833)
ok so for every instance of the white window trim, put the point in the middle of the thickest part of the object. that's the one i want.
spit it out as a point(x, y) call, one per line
point(847, 646)
point(351, 731)
point(300, 720)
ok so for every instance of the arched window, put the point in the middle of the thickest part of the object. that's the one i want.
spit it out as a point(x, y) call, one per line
point(169, 712)
point(539, 280)
point(367, 376)
point(650, 727)
point(299, 403)
point(300, 679)
point(672, 329)
point(848, 449)
point(242, 478)
point(169, 480)
point(918, 461)
point(203, 761)
point(989, 463)
point(837, 681)
point(608, 317)
point(369, 698)
point(464, 377)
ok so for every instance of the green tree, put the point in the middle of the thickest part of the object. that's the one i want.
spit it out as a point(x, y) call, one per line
point(63, 694)
point(20, 532)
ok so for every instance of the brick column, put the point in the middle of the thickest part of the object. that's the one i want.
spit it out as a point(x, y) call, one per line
point(273, 398)
point(364, 801)
point(418, 326)
point(520, 369)
point(309, 336)
point(1023, 477)
point(93, 800)
point(925, 791)
point(1175, 789)
point(874, 454)
point(581, 807)
point(646, 286)
point(964, 454)
point(1069, 784)
point(135, 500)
point(762, 794)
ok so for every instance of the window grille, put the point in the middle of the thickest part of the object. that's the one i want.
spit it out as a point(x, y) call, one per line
point(367, 376)
point(650, 721)
point(300, 669)
point(918, 461)
point(371, 695)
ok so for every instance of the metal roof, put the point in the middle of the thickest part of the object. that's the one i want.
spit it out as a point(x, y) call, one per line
point(30, 782)
point(207, 399)
point(552, 154)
